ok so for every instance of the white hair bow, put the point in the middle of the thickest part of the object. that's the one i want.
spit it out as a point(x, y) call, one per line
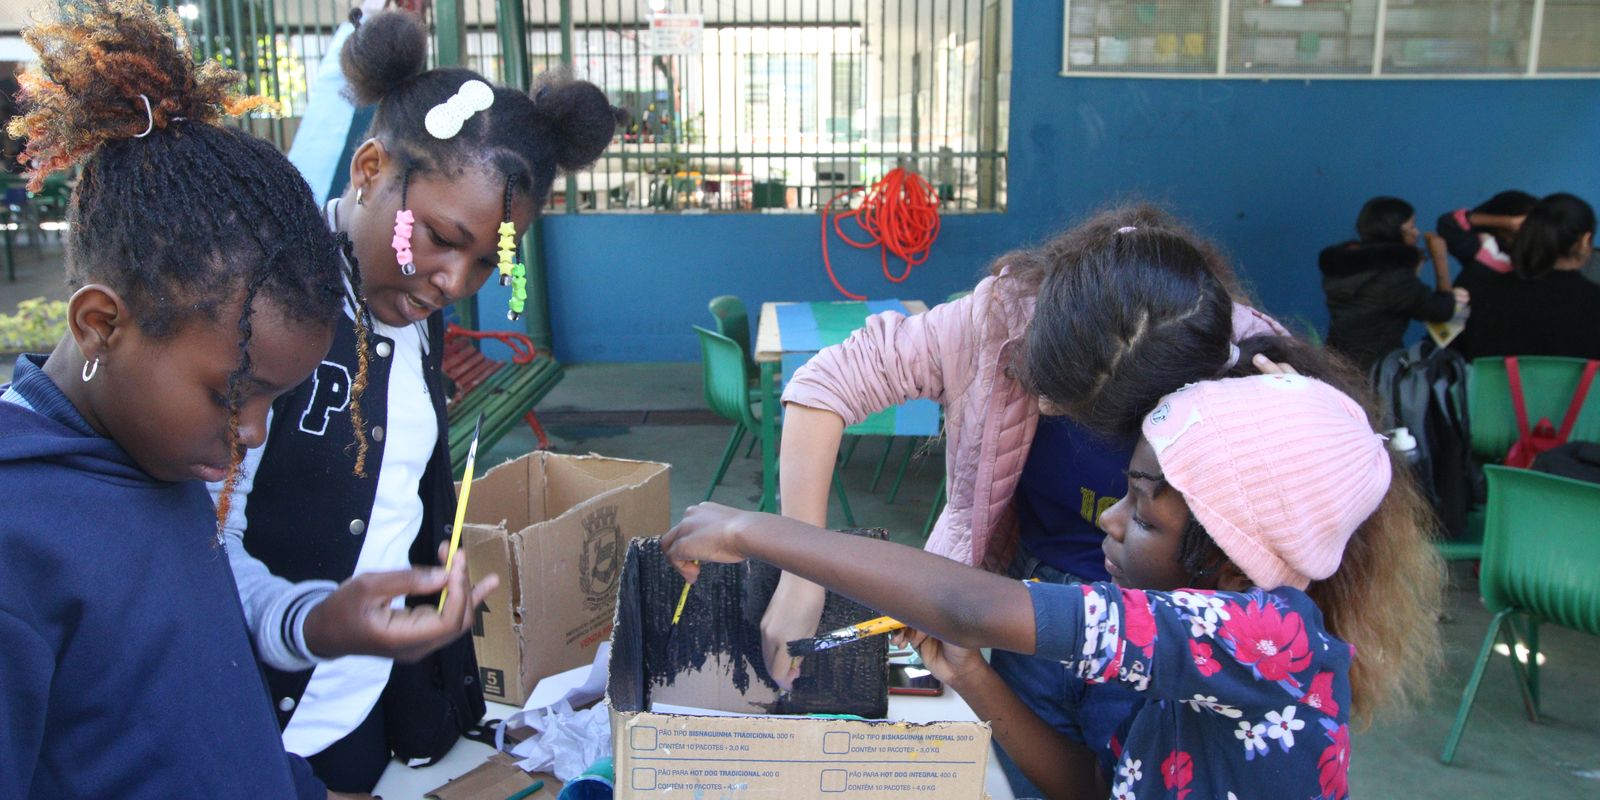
point(444, 121)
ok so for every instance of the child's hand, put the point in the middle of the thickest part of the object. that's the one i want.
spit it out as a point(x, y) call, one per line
point(356, 619)
point(793, 613)
point(1462, 296)
point(955, 666)
point(708, 532)
point(1267, 366)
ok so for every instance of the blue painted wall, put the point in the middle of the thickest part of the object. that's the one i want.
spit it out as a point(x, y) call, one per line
point(1273, 170)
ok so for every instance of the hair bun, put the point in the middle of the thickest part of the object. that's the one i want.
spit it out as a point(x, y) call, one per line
point(97, 57)
point(385, 50)
point(580, 119)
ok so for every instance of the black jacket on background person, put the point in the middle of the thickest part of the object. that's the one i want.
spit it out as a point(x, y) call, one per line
point(1373, 295)
point(1554, 315)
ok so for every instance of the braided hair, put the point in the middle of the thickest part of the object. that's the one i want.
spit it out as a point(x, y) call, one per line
point(185, 218)
point(1130, 306)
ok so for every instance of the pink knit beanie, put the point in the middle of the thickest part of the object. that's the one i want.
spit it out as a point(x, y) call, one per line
point(1280, 469)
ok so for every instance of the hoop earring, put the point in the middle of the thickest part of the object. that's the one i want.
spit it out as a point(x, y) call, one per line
point(359, 190)
point(90, 368)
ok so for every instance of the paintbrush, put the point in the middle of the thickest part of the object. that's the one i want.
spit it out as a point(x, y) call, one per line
point(843, 636)
point(461, 507)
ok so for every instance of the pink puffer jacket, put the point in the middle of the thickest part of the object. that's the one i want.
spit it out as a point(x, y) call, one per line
point(956, 355)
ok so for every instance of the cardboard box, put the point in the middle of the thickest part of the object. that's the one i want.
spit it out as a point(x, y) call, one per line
point(705, 664)
point(496, 778)
point(555, 529)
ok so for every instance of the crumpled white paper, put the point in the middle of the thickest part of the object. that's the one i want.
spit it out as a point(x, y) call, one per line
point(565, 741)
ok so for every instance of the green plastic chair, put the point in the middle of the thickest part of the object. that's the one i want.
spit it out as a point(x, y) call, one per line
point(1540, 561)
point(1547, 386)
point(728, 396)
point(734, 322)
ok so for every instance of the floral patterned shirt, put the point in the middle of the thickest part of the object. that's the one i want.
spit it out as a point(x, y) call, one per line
point(1246, 694)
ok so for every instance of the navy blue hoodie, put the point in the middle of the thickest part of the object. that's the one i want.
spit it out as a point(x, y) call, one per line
point(125, 669)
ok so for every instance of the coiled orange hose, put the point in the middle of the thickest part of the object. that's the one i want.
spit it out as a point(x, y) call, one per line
point(900, 213)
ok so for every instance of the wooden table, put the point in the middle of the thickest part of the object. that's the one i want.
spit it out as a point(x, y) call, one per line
point(772, 345)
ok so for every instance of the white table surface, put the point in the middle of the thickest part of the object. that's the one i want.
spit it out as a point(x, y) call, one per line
point(400, 782)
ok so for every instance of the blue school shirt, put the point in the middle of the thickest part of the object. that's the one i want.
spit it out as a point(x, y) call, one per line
point(1070, 477)
point(1244, 695)
point(125, 670)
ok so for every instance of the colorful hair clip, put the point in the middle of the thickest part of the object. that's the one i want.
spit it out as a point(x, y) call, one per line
point(519, 291)
point(402, 241)
point(512, 272)
point(403, 220)
point(508, 250)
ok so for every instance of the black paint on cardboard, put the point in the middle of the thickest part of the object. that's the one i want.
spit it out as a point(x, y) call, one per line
point(722, 619)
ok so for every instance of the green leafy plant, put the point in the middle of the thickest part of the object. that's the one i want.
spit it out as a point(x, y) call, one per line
point(36, 327)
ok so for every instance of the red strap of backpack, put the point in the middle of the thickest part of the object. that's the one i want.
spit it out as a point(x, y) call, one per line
point(1578, 397)
point(1514, 377)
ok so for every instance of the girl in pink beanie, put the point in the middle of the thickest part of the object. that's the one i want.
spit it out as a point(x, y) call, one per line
point(1272, 579)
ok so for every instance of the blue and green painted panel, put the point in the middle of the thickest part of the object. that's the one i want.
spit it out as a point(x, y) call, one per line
point(805, 328)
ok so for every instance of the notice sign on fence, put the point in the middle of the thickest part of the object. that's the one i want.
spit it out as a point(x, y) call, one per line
point(676, 34)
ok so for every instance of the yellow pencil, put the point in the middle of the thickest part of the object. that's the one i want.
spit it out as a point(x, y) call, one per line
point(461, 507)
point(682, 598)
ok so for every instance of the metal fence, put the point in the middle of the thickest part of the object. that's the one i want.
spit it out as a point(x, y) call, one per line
point(278, 45)
point(785, 104)
point(789, 104)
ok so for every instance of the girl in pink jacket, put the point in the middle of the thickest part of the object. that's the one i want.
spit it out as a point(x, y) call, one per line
point(1025, 490)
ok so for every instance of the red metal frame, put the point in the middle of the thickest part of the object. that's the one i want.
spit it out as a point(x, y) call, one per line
point(467, 366)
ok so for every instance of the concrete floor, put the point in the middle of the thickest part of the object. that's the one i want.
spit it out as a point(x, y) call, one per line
point(603, 408)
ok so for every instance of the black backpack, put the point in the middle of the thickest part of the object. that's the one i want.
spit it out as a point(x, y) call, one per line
point(1424, 388)
point(1578, 460)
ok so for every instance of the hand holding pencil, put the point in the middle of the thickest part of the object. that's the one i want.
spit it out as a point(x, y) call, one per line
point(358, 617)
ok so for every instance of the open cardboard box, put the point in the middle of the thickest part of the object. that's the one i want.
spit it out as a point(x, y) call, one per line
point(668, 688)
point(554, 528)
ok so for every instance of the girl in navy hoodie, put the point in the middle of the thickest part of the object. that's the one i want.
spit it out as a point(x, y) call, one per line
point(205, 286)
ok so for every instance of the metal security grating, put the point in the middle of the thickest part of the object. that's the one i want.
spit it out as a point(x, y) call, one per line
point(1570, 40)
point(1332, 38)
point(784, 105)
point(1443, 36)
point(1124, 35)
point(787, 104)
point(1325, 37)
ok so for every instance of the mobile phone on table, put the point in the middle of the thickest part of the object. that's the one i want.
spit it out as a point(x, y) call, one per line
point(913, 679)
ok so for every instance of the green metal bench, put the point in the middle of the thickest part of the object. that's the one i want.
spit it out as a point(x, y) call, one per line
point(504, 391)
